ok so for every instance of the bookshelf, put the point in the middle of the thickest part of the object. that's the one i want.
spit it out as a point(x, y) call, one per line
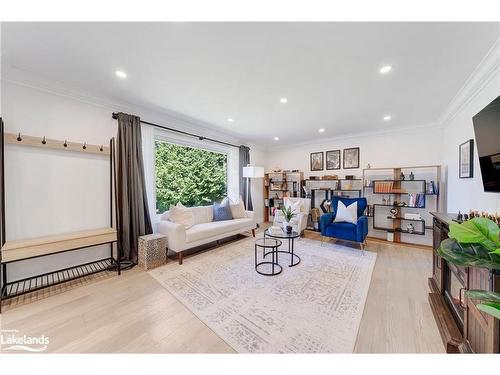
point(387, 188)
point(277, 186)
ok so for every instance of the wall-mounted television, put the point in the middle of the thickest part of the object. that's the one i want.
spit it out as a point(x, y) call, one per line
point(487, 130)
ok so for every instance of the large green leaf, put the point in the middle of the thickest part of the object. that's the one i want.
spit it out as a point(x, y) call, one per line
point(483, 295)
point(479, 230)
point(468, 254)
point(490, 308)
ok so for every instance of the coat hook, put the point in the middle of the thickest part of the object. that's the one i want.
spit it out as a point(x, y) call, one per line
point(84, 145)
point(19, 139)
point(44, 141)
point(65, 143)
point(101, 149)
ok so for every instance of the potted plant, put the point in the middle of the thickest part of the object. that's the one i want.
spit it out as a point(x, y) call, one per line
point(288, 214)
point(475, 243)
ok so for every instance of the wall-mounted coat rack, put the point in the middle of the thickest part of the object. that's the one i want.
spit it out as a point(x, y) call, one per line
point(28, 140)
point(19, 250)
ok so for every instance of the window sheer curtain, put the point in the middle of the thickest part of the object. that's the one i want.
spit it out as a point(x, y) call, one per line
point(133, 218)
point(244, 161)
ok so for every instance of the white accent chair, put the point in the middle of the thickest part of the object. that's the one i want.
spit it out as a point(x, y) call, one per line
point(299, 222)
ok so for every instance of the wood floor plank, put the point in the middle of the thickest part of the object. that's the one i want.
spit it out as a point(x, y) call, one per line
point(133, 313)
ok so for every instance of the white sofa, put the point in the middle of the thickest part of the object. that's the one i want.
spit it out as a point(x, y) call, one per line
point(299, 222)
point(204, 230)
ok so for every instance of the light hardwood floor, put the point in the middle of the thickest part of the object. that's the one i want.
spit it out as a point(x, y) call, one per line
point(133, 313)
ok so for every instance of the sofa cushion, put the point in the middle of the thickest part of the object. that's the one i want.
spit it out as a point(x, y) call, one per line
point(348, 214)
point(202, 214)
point(343, 231)
point(237, 210)
point(181, 215)
point(215, 228)
point(222, 211)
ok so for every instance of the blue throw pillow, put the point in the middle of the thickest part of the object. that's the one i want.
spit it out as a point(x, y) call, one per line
point(222, 211)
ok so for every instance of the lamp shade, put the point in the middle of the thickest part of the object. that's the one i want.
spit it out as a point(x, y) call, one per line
point(251, 171)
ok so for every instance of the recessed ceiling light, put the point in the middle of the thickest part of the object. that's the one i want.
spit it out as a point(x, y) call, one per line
point(385, 69)
point(230, 119)
point(387, 118)
point(283, 100)
point(121, 74)
point(276, 138)
point(322, 130)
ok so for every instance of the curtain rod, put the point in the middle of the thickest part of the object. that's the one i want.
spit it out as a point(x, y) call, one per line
point(200, 137)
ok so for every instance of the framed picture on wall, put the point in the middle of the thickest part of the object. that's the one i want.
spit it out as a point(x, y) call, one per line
point(351, 158)
point(316, 161)
point(333, 159)
point(465, 159)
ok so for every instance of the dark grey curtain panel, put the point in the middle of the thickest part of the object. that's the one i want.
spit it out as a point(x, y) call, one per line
point(133, 218)
point(244, 161)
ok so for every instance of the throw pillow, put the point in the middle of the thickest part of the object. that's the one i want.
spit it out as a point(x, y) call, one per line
point(237, 209)
point(347, 214)
point(296, 206)
point(181, 215)
point(222, 211)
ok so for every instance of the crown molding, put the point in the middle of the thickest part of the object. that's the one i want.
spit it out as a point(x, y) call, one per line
point(480, 77)
point(161, 116)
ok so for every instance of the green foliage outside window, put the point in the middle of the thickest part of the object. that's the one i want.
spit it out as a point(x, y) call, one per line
point(192, 176)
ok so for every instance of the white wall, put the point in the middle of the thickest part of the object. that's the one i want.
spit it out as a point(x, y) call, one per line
point(407, 147)
point(482, 87)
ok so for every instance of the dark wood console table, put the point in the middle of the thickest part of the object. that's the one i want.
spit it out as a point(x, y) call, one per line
point(463, 328)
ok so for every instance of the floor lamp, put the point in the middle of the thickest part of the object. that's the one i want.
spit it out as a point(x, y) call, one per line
point(251, 171)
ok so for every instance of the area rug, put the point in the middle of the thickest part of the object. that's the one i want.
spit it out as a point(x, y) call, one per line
point(314, 307)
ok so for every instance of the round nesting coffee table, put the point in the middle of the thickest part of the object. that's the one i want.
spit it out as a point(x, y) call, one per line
point(272, 244)
point(294, 258)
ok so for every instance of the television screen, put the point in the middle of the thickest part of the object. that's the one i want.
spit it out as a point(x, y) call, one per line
point(487, 130)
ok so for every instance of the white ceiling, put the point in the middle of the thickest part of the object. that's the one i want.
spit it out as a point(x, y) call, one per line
point(212, 71)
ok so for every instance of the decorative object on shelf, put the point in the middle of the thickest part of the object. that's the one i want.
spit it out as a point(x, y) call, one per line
point(390, 235)
point(412, 176)
point(330, 177)
point(402, 176)
point(367, 183)
point(466, 159)
point(416, 200)
point(459, 216)
point(314, 177)
point(349, 177)
point(410, 228)
point(430, 188)
point(333, 159)
point(351, 158)
point(368, 166)
point(410, 216)
point(316, 161)
point(394, 212)
point(475, 243)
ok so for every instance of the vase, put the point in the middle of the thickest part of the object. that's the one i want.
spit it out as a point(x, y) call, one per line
point(287, 227)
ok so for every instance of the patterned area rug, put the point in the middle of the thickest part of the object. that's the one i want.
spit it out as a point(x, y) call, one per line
point(314, 307)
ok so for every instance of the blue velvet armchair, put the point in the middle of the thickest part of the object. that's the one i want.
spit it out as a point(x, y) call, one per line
point(346, 231)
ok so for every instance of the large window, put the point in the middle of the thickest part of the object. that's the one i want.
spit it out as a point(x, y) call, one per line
point(192, 176)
